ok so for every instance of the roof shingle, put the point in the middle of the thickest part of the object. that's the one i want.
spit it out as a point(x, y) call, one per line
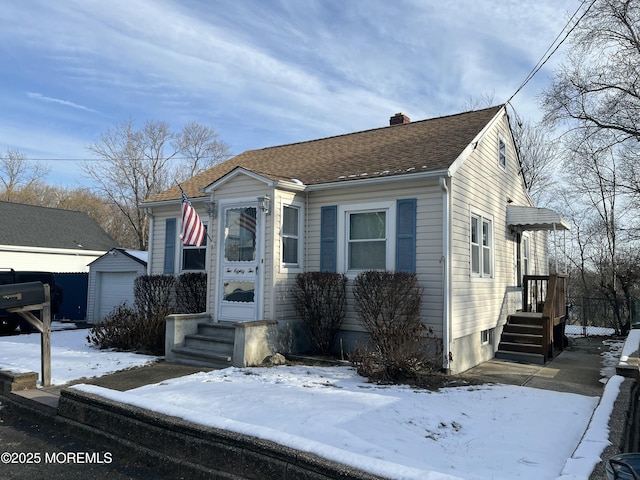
point(33, 226)
point(422, 146)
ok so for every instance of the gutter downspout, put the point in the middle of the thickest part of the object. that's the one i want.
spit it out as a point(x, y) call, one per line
point(149, 213)
point(446, 277)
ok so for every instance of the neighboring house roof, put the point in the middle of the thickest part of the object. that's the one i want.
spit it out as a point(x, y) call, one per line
point(139, 256)
point(421, 146)
point(33, 226)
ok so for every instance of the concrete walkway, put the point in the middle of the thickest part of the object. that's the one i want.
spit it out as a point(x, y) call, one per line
point(574, 370)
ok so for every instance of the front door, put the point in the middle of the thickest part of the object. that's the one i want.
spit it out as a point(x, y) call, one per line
point(239, 279)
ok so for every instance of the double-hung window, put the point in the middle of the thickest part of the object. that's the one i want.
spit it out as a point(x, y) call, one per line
point(367, 240)
point(290, 233)
point(194, 258)
point(481, 246)
point(369, 237)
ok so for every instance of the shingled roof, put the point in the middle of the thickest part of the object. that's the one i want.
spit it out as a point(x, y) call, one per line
point(33, 226)
point(422, 146)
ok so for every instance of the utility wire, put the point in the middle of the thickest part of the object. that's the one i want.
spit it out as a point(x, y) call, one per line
point(546, 56)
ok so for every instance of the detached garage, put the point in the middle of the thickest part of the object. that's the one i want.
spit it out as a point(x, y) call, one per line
point(111, 280)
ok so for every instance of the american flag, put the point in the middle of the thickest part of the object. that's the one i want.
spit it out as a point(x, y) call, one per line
point(193, 231)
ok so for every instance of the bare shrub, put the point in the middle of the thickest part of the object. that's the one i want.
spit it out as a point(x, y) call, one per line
point(388, 304)
point(191, 292)
point(124, 329)
point(320, 300)
point(141, 328)
point(155, 295)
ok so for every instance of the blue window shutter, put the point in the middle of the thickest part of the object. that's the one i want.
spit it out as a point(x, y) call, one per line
point(328, 238)
point(169, 245)
point(406, 235)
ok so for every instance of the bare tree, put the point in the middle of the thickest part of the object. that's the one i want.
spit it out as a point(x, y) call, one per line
point(593, 180)
point(201, 149)
point(16, 173)
point(599, 84)
point(539, 160)
point(139, 163)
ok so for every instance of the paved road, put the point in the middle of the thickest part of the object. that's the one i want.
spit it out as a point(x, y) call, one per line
point(56, 456)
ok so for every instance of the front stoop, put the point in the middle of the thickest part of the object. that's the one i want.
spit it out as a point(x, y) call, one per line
point(522, 339)
point(212, 346)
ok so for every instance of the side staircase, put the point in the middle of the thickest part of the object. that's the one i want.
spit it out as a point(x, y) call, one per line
point(211, 347)
point(523, 339)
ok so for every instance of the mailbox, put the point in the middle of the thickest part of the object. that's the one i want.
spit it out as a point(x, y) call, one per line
point(21, 294)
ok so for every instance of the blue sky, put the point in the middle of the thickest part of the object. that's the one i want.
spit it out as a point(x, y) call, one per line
point(260, 72)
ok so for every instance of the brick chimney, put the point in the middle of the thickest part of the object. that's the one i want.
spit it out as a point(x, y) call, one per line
point(399, 119)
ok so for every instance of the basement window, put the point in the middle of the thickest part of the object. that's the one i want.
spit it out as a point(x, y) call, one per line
point(486, 337)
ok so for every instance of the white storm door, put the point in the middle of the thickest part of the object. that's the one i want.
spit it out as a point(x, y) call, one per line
point(239, 280)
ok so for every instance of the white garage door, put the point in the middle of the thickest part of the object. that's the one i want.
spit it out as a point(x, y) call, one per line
point(115, 288)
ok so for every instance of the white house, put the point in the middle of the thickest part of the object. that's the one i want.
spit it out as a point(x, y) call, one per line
point(49, 239)
point(442, 193)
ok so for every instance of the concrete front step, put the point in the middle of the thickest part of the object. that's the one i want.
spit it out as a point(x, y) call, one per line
point(221, 331)
point(211, 347)
point(203, 358)
point(520, 357)
point(207, 342)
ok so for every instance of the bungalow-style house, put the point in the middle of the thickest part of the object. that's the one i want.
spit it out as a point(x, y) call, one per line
point(49, 239)
point(444, 198)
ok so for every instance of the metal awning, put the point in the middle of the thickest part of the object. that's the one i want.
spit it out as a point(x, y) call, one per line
point(532, 218)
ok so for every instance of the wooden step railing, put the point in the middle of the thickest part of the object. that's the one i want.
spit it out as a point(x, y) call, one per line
point(547, 294)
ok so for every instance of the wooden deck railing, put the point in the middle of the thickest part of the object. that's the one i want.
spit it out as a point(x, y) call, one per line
point(547, 295)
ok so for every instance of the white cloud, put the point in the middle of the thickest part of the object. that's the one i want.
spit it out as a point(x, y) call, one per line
point(66, 103)
point(284, 71)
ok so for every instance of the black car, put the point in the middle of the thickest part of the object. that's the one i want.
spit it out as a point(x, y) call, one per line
point(11, 321)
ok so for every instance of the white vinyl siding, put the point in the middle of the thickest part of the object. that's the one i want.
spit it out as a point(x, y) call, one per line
point(481, 187)
point(428, 231)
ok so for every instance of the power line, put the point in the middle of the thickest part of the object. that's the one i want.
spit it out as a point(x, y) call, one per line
point(551, 47)
point(29, 159)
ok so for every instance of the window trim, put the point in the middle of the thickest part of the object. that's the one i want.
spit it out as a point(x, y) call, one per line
point(298, 266)
point(522, 261)
point(486, 337)
point(205, 246)
point(502, 159)
point(343, 230)
point(482, 219)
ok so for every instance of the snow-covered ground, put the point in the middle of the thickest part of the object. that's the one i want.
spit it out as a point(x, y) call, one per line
point(475, 432)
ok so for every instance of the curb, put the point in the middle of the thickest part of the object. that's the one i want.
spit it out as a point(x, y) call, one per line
point(177, 448)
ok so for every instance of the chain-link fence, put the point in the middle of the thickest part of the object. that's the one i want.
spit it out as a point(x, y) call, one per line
point(589, 316)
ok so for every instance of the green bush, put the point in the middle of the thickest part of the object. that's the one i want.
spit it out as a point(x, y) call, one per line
point(388, 304)
point(320, 300)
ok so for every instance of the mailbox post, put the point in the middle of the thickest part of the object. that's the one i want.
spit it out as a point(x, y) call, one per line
point(23, 299)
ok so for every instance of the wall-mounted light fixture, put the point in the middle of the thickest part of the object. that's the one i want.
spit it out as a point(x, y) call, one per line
point(211, 208)
point(265, 204)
